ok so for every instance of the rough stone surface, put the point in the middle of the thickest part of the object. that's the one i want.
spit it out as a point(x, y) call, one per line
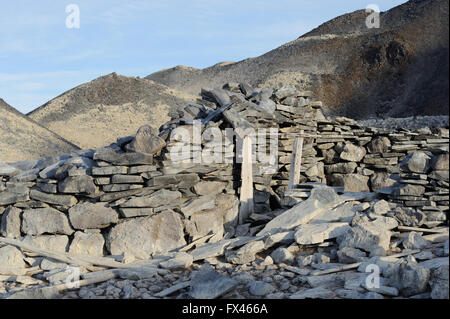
point(92, 215)
point(353, 153)
point(45, 220)
point(147, 235)
point(416, 162)
point(90, 244)
point(209, 284)
point(11, 223)
point(146, 141)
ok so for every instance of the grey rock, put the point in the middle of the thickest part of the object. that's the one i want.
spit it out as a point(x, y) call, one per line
point(381, 180)
point(408, 190)
point(415, 241)
point(321, 198)
point(365, 236)
point(143, 236)
point(128, 159)
point(380, 144)
point(180, 261)
point(440, 162)
point(8, 198)
point(11, 223)
point(380, 207)
point(344, 168)
point(205, 222)
point(90, 244)
point(282, 255)
point(162, 197)
point(37, 293)
point(309, 234)
point(209, 187)
point(77, 185)
point(109, 170)
point(416, 162)
point(57, 243)
point(146, 141)
point(409, 278)
point(439, 282)
point(246, 253)
point(63, 200)
point(352, 153)
point(350, 182)
point(136, 212)
point(7, 170)
point(314, 293)
point(349, 255)
point(126, 179)
point(210, 284)
point(198, 204)
point(304, 261)
point(260, 288)
point(45, 220)
point(11, 256)
point(92, 215)
point(408, 217)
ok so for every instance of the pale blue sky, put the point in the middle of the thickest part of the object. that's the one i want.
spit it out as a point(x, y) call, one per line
point(40, 58)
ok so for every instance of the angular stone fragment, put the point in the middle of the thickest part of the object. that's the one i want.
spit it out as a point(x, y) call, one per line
point(440, 162)
point(57, 243)
point(90, 244)
point(63, 200)
point(349, 255)
point(136, 212)
point(353, 153)
point(321, 199)
point(210, 284)
point(45, 220)
point(11, 223)
point(209, 187)
point(127, 159)
point(144, 236)
point(409, 278)
point(180, 261)
point(11, 256)
point(160, 198)
point(109, 170)
point(146, 141)
point(9, 198)
point(314, 293)
point(439, 282)
point(246, 253)
point(416, 162)
point(344, 168)
point(198, 204)
point(204, 222)
point(408, 190)
point(77, 185)
point(317, 233)
point(92, 215)
point(380, 144)
point(127, 179)
point(350, 182)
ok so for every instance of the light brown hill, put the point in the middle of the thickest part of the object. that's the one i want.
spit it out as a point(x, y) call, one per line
point(400, 69)
point(23, 139)
point(96, 113)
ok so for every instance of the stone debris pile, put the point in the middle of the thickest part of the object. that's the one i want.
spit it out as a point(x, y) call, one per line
point(145, 218)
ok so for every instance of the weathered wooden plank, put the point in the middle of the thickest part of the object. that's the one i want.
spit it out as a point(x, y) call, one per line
point(246, 197)
point(296, 162)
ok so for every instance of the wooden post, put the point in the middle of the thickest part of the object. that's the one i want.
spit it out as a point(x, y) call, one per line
point(246, 207)
point(296, 162)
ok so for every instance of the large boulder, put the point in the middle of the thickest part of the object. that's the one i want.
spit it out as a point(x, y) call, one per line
point(144, 236)
point(92, 215)
point(90, 244)
point(45, 221)
point(11, 256)
point(353, 153)
point(380, 144)
point(440, 162)
point(146, 141)
point(416, 162)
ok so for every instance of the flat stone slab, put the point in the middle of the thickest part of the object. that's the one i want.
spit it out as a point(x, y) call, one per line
point(210, 284)
point(317, 233)
point(45, 220)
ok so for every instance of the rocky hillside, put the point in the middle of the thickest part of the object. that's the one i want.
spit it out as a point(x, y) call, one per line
point(398, 70)
point(98, 112)
point(24, 139)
